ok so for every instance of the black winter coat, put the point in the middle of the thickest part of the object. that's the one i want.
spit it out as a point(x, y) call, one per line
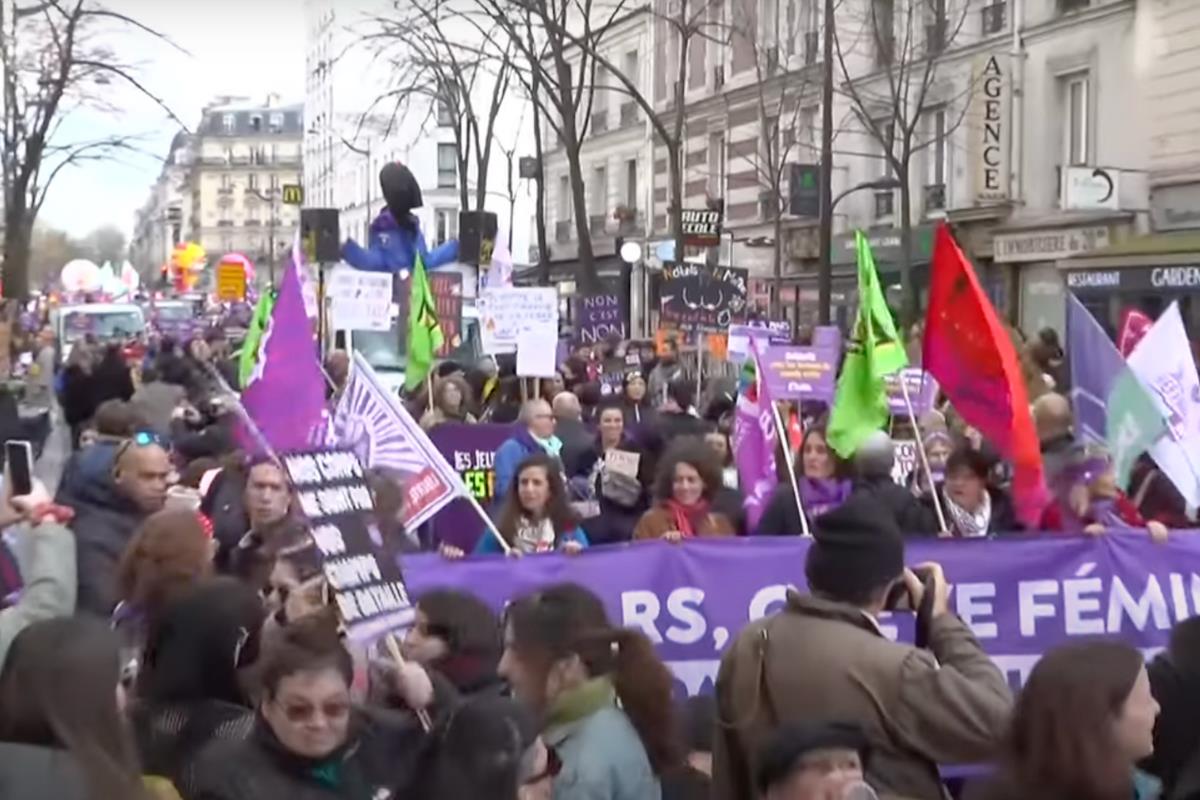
point(914, 517)
point(105, 521)
point(616, 522)
point(39, 773)
point(78, 396)
point(379, 760)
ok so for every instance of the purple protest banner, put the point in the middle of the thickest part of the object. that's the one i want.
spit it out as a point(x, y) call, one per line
point(922, 390)
point(1021, 596)
point(795, 372)
point(469, 449)
point(764, 332)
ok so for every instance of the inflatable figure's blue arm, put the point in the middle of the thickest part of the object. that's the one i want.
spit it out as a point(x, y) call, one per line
point(359, 257)
point(445, 253)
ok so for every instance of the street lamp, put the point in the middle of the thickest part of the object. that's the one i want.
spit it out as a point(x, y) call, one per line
point(825, 271)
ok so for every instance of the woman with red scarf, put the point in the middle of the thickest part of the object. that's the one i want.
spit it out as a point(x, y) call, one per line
point(689, 475)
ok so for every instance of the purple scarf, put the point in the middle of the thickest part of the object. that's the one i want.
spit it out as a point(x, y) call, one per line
point(822, 494)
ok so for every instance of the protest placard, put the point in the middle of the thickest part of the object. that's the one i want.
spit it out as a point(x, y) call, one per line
point(231, 281)
point(536, 354)
point(922, 390)
point(622, 462)
point(737, 348)
point(905, 461)
point(504, 314)
point(470, 450)
point(698, 297)
point(600, 316)
point(794, 372)
point(359, 300)
point(364, 577)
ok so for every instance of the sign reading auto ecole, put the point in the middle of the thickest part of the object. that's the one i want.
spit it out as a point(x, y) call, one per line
point(293, 194)
point(1085, 281)
point(701, 228)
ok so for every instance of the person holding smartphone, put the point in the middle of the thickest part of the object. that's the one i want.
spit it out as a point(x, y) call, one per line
point(824, 656)
point(45, 553)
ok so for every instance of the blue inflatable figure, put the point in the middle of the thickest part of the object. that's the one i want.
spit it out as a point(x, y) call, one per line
point(395, 236)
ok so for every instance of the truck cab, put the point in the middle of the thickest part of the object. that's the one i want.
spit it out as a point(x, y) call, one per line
point(387, 351)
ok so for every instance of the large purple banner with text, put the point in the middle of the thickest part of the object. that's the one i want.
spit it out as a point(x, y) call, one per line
point(1020, 596)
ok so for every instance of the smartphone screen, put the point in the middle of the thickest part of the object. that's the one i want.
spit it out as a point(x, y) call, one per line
point(19, 457)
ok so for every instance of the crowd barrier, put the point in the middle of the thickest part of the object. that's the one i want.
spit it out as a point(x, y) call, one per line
point(1020, 595)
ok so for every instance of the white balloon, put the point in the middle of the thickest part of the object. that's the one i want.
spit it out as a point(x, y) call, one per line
point(80, 275)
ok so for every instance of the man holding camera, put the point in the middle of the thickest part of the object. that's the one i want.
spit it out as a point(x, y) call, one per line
point(824, 658)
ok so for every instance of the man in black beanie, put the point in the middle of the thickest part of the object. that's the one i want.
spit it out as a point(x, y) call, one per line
point(825, 657)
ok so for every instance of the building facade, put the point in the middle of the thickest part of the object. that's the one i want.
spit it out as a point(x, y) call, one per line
point(1027, 126)
point(244, 154)
point(165, 218)
point(351, 134)
point(615, 158)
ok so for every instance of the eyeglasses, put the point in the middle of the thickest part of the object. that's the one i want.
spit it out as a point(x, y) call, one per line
point(299, 713)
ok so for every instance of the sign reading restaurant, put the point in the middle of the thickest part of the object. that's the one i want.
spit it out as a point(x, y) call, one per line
point(1047, 245)
point(1133, 278)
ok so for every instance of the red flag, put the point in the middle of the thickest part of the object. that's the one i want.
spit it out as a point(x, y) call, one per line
point(1134, 324)
point(795, 431)
point(971, 354)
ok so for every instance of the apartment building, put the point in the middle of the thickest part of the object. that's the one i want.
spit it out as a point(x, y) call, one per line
point(615, 158)
point(164, 219)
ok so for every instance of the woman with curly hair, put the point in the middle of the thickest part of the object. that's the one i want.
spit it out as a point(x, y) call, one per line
point(451, 399)
point(689, 477)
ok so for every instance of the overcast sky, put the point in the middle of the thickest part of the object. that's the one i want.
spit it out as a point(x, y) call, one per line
point(237, 47)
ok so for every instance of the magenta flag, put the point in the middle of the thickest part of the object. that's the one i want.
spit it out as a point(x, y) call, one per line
point(754, 439)
point(286, 394)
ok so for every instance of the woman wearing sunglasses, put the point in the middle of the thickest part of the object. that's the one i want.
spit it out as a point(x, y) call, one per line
point(309, 740)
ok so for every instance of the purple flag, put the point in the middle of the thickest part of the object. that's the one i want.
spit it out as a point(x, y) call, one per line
point(754, 439)
point(286, 393)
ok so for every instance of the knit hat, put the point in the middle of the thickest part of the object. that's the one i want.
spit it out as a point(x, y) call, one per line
point(857, 548)
point(780, 755)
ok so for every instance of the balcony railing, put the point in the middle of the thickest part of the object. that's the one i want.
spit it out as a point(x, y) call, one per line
point(596, 224)
point(812, 47)
point(995, 17)
point(600, 121)
point(562, 230)
point(224, 190)
point(885, 203)
point(629, 113)
point(935, 197)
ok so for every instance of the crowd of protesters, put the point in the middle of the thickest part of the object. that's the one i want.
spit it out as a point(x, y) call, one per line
point(170, 635)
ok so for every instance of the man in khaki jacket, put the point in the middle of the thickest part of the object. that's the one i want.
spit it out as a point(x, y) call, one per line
point(824, 659)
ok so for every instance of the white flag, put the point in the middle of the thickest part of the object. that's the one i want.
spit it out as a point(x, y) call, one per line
point(373, 423)
point(1163, 362)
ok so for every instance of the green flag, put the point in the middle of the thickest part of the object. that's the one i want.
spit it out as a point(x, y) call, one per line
point(250, 346)
point(874, 350)
point(1134, 423)
point(424, 330)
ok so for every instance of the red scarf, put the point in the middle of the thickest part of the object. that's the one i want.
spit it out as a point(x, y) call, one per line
point(688, 519)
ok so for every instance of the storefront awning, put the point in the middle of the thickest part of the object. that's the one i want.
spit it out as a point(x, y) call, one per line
point(1176, 248)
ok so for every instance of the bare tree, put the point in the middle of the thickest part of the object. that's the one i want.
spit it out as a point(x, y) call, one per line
point(783, 99)
point(440, 73)
point(690, 23)
point(899, 89)
point(54, 62)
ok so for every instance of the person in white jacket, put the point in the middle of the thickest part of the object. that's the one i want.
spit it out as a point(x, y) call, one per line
point(45, 553)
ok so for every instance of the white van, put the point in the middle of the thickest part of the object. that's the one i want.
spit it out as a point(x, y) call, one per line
point(105, 321)
point(387, 353)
